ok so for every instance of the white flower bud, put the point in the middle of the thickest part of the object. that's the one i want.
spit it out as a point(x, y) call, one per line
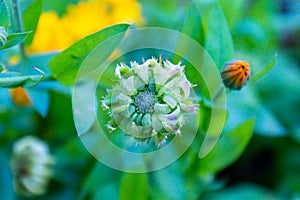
point(31, 165)
point(150, 100)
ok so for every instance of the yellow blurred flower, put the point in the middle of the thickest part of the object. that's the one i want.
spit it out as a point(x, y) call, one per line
point(20, 97)
point(14, 60)
point(54, 33)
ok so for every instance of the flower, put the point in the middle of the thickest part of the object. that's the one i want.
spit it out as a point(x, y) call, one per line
point(20, 97)
point(150, 100)
point(31, 165)
point(235, 74)
point(55, 33)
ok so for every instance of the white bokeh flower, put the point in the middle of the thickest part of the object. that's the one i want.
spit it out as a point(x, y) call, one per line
point(150, 100)
point(31, 165)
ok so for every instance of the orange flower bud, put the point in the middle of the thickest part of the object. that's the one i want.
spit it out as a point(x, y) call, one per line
point(235, 74)
point(20, 97)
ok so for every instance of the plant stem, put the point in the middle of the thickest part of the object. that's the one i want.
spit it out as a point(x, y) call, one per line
point(18, 26)
point(219, 94)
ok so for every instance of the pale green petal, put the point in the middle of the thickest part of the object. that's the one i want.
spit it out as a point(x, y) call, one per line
point(139, 83)
point(128, 86)
point(162, 75)
point(161, 108)
point(121, 99)
point(142, 72)
point(156, 122)
point(170, 101)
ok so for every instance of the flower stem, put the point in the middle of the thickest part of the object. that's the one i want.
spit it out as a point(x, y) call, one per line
point(219, 94)
point(18, 26)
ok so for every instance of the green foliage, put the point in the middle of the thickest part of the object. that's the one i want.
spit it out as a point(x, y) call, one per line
point(15, 79)
point(31, 11)
point(232, 145)
point(168, 184)
point(218, 41)
point(266, 110)
point(4, 14)
point(14, 39)
point(65, 65)
point(134, 186)
point(268, 68)
point(233, 11)
point(196, 31)
point(157, 13)
point(100, 182)
point(57, 5)
point(31, 17)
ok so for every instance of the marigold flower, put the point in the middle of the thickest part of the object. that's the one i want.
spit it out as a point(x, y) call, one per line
point(235, 74)
point(31, 165)
point(151, 100)
point(57, 33)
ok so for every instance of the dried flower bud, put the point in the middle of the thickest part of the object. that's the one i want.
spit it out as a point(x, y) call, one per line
point(235, 74)
point(20, 97)
point(151, 100)
point(31, 165)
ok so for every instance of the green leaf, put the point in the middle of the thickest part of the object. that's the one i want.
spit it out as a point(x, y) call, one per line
point(4, 15)
point(192, 25)
point(65, 65)
point(157, 13)
point(31, 17)
point(24, 4)
point(227, 150)
point(134, 186)
point(219, 42)
point(14, 39)
point(247, 100)
point(15, 79)
point(168, 183)
point(263, 72)
point(58, 6)
point(99, 177)
point(233, 11)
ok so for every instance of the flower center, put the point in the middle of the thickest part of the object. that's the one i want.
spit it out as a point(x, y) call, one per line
point(145, 101)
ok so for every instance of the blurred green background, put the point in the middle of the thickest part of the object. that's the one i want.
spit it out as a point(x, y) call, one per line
point(269, 167)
